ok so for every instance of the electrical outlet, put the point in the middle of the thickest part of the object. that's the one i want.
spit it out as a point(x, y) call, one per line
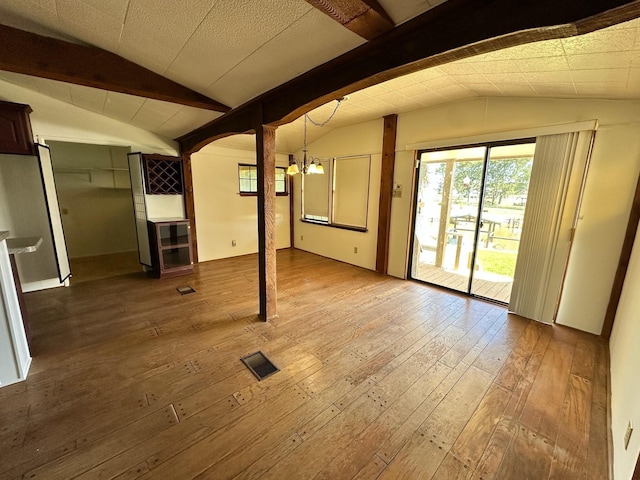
point(301, 237)
point(233, 243)
point(355, 249)
point(627, 435)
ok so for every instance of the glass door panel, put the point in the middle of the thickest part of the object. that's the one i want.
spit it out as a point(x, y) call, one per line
point(501, 219)
point(448, 195)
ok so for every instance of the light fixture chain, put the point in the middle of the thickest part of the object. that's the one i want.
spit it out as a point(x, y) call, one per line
point(322, 124)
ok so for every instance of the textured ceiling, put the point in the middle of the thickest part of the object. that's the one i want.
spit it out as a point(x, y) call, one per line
point(233, 50)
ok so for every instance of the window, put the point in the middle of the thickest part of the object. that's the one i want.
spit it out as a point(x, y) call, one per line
point(248, 180)
point(340, 197)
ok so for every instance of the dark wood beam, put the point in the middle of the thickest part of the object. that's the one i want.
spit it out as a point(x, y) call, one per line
point(366, 18)
point(623, 264)
point(31, 54)
point(453, 30)
point(266, 161)
point(386, 191)
point(291, 207)
point(190, 208)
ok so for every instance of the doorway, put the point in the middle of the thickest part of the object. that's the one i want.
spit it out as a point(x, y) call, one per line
point(94, 194)
point(469, 212)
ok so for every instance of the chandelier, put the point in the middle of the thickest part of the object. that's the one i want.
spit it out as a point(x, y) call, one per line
point(309, 165)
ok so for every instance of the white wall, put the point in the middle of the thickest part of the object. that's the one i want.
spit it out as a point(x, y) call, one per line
point(55, 120)
point(615, 166)
point(365, 139)
point(96, 205)
point(222, 215)
point(625, 358)
point(27, 216)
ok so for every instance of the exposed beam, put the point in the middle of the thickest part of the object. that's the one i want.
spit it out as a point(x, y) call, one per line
point(32, 54)
point(366, 18)
point(189, 203)
point(454, 30)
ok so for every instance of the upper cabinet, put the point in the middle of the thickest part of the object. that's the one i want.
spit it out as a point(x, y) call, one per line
point(15, 129)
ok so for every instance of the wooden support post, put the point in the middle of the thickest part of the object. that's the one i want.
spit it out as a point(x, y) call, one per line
point(266, 157)
point(445, 208)
point(291, 208)
point(386, 191)
point(623, 265)
point(190, 209)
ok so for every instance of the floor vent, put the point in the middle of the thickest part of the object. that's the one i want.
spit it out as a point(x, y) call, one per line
point(259, 365)
point(185, 290)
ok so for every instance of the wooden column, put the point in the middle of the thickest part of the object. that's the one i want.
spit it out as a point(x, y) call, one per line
point(386, 191)
point(291, 207)
point(189, 203)
point(266, 157)
point(623, 265)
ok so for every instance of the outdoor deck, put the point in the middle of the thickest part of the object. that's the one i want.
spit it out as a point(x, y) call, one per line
point(499, 291)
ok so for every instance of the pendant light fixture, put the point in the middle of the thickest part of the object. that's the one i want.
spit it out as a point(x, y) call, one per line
point(309, 165)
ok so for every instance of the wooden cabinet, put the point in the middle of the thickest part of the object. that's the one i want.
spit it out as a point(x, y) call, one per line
point(15, 129)
point(170, 242)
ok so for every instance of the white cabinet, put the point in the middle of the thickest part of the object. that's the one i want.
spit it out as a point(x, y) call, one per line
point(15, 358)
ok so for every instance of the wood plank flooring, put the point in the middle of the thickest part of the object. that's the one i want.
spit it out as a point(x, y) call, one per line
point(379, 379)
point(96, 267)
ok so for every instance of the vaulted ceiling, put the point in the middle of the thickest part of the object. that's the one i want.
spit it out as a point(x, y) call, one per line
point(233, 50)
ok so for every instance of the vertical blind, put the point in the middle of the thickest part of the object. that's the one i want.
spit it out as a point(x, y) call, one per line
point(554, 191)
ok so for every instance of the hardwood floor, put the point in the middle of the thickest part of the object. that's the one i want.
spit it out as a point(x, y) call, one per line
point(98, 267)
point(380, 378)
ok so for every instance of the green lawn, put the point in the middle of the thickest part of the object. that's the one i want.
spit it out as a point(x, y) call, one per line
point(503, 263)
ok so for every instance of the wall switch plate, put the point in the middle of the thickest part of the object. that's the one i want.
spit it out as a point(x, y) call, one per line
point(627, 435)
point(233, 243)
point(301, 237)
point(397, 191)
point(355, 249)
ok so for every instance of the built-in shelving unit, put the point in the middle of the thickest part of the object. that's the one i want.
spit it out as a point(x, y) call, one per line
point(163, 175)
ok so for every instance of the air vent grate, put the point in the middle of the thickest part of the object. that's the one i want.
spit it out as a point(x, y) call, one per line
point(259, 365)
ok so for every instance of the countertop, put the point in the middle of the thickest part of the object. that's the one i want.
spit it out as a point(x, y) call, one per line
point(3, 235)
point(23, 244)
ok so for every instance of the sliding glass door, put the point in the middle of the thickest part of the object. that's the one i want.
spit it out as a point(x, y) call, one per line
point(445, 220)
point(469, 214)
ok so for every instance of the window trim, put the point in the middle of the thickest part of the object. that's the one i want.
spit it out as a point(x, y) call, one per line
point(255, 194)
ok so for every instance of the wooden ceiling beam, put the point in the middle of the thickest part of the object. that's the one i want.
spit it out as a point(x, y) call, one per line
point(454, 30)
point(45, 57)
point(366, 18)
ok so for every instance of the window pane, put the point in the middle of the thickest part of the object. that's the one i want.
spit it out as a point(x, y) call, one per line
point(316, 196)
point(281, 180)
point(247, 178)
point(351, 191)
point(245, 171)
point(245, 185)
